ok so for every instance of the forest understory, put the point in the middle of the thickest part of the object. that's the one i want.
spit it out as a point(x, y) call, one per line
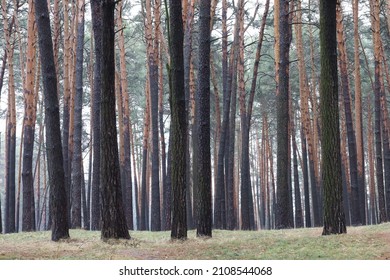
point(361, 243)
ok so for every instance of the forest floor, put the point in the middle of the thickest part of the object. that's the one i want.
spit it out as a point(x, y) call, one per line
point(361, 243)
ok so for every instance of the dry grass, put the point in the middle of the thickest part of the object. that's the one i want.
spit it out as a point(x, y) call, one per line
point(369, 242)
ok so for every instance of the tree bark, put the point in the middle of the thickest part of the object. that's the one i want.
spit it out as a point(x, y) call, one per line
point(77, 174)
point(343, 62)
point(179, 123)
point(28, 223)
point(97, 36)
point(58, 201)
point(204, 224)
point(334, 219)
point(283, 217)
point(113, 216)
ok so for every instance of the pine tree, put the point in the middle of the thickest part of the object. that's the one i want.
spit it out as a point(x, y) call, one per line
point(59, 207)
point(334, 219)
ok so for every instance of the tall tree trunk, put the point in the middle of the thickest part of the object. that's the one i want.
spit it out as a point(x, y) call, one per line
point(97, 36)
point(179, 123)
point(204, 224)
point(378, 87)
point(220, 184)
point(28, 223)
point(113, 215)
point(127, 187)
point(152, 53)
point(58, 201)
point(358, 115)
point(77, 174)
point(343, 62)
point(283, 217)
point(334, 219)
point(66, 102)
point(247, 212)
point(10, 187)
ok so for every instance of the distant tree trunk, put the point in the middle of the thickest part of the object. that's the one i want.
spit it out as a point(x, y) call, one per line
point(95, 195)
point(77, 174)
point(28, 223)
point(343, 62)
point(113, 216)
point(283, 217)
point(378, 87)
point(247, 212)
point(179, 123)
point(128, 188)
point(10, 187)
point(204, 224)
point(334, 219)
point(358, 115)
point(144, 219)
point(66, 103)
point(220, 183)
point(313, 144)
point(152, 53)
point(187, 57)
point(58, 208)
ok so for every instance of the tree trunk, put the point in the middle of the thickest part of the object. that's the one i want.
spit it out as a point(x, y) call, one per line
point(28, 223)
point(77, 174)
point(66, 103)
point(358, 115)
point(58, 201)
point(10, 187)
point(343, 62)
point(179, 123)
point(204, 225)
point(113, 216)
point(96, 96)
point(378, 87)
point(127, 187)
point(334, 219)
point(283, 217)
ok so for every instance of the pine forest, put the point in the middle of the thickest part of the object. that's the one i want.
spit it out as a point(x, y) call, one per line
point(168, 115)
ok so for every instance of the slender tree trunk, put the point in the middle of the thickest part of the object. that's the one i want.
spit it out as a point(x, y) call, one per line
point(127, 187)
point(378, 87)
point(334, 219)
point(113, 215)
point(204, 216)
point(97, 36)
point(10, 187)
point(28, 223)
point(343, 62)
point(58, 201)
point(359, 115)
point(77, 174)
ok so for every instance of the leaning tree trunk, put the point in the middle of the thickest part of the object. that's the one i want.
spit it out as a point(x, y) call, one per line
point(334, 219)
point(113, 215)
point(58, 208)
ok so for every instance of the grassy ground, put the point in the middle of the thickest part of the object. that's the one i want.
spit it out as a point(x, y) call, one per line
point(364, 243)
